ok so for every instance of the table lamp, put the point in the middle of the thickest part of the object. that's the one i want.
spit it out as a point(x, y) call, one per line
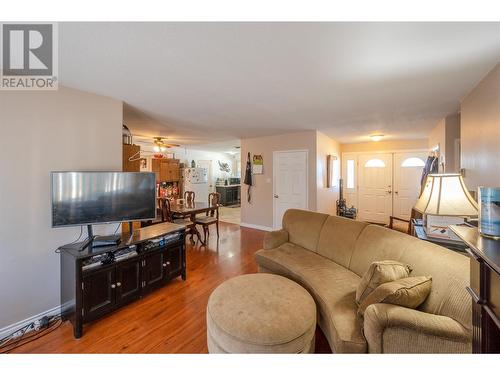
point(445, 201)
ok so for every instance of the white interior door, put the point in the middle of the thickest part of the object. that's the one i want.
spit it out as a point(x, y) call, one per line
point(290, 174)
point(375, 187)
point(407, 173)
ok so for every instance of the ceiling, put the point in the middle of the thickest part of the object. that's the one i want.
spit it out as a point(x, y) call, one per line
point(200, 83)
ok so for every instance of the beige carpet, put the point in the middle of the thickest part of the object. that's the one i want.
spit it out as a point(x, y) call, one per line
point(230, 214)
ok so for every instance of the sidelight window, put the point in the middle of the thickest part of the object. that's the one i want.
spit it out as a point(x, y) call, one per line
point(350, 174)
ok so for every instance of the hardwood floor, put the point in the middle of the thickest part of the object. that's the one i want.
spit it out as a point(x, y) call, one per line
point(172, 319)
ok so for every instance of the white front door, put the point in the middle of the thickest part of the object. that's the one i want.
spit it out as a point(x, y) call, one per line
point(375, 187)
point(407, 173)
point(290, 174)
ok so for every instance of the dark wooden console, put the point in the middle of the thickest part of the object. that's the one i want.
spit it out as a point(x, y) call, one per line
point(87, 293)
point(484, 288)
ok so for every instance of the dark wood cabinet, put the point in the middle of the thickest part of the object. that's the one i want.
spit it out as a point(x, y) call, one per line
point(128, 281)
point(155, 255)
point(98, 292)
point(174, 261)
point(110, 286)
point(154, 270)
point(229, 195)
point(484, 288)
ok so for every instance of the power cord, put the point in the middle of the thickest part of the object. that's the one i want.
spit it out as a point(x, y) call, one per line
point(75, 241)
point(23, 336)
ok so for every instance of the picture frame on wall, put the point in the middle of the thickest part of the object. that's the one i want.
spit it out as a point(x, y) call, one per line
point(257, 164)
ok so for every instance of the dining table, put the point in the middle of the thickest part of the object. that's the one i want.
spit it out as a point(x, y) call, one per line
point(191, 209)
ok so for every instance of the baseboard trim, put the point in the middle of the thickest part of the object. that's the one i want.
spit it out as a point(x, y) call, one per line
point(255, 226)
point(6, 331)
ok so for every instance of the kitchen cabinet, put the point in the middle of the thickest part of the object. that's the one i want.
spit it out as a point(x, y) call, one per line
point(166, 170)
point(229, 195)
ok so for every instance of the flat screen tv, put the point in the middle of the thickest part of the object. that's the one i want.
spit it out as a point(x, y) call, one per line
point(86, 198)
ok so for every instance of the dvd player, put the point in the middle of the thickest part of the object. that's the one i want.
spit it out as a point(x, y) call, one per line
point(112, 240)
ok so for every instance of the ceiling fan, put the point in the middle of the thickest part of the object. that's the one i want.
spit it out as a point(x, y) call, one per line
point(161, 146)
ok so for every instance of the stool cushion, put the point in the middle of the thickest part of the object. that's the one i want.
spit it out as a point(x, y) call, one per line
point(260, 313)
point(182, 221)
point(206, 220)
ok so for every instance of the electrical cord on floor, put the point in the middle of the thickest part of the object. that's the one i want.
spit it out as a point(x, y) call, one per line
point(28, 333)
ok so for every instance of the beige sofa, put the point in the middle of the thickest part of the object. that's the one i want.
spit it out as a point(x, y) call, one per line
point(328, 255)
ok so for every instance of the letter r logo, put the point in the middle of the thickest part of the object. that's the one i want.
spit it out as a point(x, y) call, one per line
point(27, 49)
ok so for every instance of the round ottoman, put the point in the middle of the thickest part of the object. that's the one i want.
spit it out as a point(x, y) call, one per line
point(260, 313)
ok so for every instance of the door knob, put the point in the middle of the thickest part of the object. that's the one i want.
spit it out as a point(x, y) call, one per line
point(118, 284)
point(396, 192)
point(276, 196)
point(113, 286)
point(389, 191)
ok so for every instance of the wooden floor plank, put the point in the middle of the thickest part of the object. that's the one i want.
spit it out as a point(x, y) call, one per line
point(171, 319)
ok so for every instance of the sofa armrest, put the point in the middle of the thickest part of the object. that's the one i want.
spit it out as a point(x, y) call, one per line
point(275, 239)
point(396, 329)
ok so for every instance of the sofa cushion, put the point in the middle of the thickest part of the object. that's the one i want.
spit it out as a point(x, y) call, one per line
point(332, 286)
point(303, 227)
point(409, 292)
point(337, 239)
point(380, 272)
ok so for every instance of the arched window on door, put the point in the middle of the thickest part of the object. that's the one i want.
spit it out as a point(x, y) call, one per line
point(374, 163)
point(412, 162)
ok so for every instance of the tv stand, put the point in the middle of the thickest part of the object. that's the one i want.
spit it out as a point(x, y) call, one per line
point(96, 281)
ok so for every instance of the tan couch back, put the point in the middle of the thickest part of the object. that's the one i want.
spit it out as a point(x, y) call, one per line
point(355, 245)
point(304, 227)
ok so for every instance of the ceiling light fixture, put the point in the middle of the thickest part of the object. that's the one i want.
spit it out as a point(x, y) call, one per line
point(376, 137)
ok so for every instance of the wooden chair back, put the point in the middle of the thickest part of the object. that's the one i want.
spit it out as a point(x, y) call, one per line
point(166, 213)
point(213, 200)
point(189, 196)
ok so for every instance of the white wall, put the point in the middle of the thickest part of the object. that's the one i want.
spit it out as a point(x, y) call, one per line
point(326, 197)
point(480, 133)
point(41, 132)
point(186, 155)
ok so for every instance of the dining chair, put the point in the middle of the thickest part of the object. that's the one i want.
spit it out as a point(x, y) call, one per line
point(211, 217)
point(189, 196)
point(167, 216)
point(404, 225)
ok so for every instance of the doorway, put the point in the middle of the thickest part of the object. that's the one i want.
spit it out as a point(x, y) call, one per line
point(290, 175)
point(381, 185)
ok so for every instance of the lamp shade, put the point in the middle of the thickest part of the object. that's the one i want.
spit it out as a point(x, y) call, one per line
point(446, 195)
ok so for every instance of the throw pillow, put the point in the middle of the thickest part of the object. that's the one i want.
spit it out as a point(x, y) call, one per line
point(409, 292)
point(379, 273)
